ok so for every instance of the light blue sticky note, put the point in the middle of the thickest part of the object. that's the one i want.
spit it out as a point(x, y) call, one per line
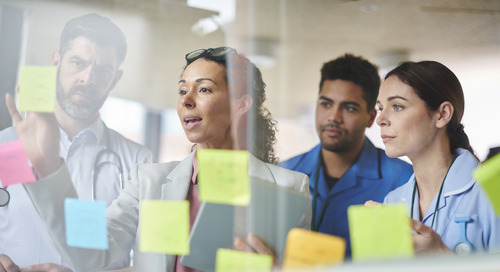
point(86, 223)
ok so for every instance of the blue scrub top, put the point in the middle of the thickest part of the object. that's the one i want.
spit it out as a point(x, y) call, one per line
point(461, 197)
point(371, 177)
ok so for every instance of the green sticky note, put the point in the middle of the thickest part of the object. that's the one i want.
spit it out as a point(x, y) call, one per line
point(223, 176)
point(382, 232)
point(488, 176)
point(229, 260)
point(37, 88)
point(164, 227)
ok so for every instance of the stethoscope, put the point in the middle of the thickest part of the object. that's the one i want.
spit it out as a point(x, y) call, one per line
point(463, 246)
point(4, 196)
point(99, 163)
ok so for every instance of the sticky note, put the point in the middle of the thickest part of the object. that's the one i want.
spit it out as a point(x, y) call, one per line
point(14, 166)
point(229, 260)
point(307, 249)
point(37, 88)
point(223, 176)
point(382, 232)
point(86, 225)
point(164, 227)
point(488, 176)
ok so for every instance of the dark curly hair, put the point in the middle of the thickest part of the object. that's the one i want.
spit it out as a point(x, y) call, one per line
point(257, 130)
point(357, 70)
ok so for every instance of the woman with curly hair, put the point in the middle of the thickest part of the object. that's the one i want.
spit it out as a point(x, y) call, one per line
point(220, 93)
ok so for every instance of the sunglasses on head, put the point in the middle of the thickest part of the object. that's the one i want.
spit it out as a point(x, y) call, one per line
point(218, 52)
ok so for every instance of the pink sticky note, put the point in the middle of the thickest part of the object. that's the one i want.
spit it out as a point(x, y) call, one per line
point(14, 167)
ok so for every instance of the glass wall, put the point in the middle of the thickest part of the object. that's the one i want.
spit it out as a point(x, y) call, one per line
point(289, 40)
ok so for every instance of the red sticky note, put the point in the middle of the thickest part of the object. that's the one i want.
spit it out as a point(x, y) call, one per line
point(14, 166)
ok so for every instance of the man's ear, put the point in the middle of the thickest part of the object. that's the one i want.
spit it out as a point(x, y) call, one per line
point(373, 114)
point(118, 76)
point(444, 114)
point(56, 58)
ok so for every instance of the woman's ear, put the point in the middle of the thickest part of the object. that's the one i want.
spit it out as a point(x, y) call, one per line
point(444, 114)
point(239, 107)
point(243, 104)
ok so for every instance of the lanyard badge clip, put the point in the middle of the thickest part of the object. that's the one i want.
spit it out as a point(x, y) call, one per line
point(463, 246)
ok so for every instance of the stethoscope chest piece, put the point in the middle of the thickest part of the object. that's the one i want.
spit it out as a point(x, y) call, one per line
point(463, 246)
point(4, 197)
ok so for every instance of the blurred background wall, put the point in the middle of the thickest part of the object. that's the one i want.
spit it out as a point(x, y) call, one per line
point(288, 39)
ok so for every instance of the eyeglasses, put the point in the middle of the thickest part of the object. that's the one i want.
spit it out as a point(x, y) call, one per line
point(218, 52)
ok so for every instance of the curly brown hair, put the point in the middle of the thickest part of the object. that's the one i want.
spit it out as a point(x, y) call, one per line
point(257, 129)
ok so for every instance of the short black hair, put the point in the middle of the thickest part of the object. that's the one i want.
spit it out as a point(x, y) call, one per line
point(357, 70)
point(98, 29)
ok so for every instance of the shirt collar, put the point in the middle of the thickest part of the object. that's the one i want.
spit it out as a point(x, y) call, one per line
point(369, 161)
point(459, 178)
point(95, 131)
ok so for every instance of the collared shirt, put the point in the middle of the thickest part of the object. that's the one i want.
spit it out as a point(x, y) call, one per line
point(371, 177)
point(461, 197)
point(22, 232)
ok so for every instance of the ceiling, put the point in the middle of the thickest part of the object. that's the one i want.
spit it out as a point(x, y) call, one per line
point(303, 34)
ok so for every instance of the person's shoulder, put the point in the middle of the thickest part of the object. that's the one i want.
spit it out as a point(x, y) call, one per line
point(8, 134)
point(121, 139)
point(124, 144)
point(155, 171)
point(302, 161)
point(398, 195)
point(289, 178)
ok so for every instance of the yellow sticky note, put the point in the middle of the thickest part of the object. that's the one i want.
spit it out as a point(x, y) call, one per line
point(37, 88)
point(382, 232)
point(307, 249)
point(223, 176)
point(488, 176)
point(229, 260)
point(164, 227)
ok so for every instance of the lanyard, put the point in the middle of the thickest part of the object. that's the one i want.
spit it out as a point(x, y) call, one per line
point(438, 196)
point(315, 224)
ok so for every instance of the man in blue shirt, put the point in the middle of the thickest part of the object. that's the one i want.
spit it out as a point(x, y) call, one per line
point(346, 168)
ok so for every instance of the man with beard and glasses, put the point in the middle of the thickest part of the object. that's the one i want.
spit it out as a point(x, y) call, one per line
point(92, 48)
point(346, 168)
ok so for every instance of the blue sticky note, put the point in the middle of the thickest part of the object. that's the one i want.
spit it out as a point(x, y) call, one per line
point(86, 223)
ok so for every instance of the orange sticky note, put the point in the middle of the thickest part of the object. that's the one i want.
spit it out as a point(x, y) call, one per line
point(488, 176)
point(37, 88)
point(229, 260)
point(307, 249)
point(164, 227)
point(223, 176)
point(380, 232)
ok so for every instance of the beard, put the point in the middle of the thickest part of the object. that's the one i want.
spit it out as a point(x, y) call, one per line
point(80, 110)
point(342, 144)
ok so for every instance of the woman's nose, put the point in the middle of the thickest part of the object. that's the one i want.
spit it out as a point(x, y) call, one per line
point(187, 100)
point(382, 119)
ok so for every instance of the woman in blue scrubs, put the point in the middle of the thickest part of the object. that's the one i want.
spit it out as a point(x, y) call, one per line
point(421, 107)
